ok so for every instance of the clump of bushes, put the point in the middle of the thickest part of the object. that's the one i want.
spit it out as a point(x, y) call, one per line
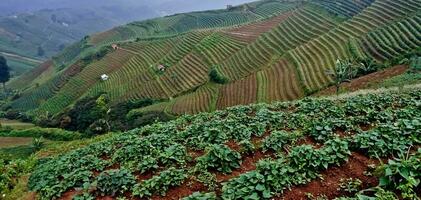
point(138, 119)
point(216, 77)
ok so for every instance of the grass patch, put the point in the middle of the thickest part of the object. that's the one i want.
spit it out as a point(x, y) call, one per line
point(54, 134)
point(14, 124)
point(19, 152)
point(401, 80)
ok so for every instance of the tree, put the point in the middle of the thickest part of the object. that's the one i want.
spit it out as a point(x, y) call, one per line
point(4, 72)
point(40, 52)
point(344, 71)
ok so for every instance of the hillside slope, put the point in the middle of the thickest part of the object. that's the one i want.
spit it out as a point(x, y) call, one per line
point(268, 50)
point(249, 152)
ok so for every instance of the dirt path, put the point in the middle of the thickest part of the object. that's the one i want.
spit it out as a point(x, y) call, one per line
point(21, 57)
point(365, 81)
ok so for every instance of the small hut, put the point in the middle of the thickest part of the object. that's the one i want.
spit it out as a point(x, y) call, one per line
point(161, 68)
point(104, 77)
point(114, 46)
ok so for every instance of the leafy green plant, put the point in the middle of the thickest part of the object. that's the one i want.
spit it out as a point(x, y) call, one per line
point(350, 185)
point(114, 182)
point(37, 143)
point(344, 71)
point(221, 158)
point(278, 140)
point(84, 196)
point(201, 196)
point(216, 77)
point(160, 183)
point(403, 174)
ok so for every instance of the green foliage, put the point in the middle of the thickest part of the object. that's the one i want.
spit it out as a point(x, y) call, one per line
point(201, 196)
point(343, 72)
point(11, 171)
point(84, 196)
point(114, 182)
point(217, 77)
point(86, 112)
point(47, 133)
point(415, 65)
point(221, 158)
point(278, 140)
point(350, 185)
point(160, 184)
point(4, 70)
point(403, 174)
point(38, 143)
point(389, 139)
point(165, 149)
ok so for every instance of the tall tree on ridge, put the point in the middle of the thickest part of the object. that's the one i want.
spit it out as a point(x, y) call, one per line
point(4, 72)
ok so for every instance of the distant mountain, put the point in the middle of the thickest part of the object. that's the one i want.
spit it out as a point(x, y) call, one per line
point(42, 28)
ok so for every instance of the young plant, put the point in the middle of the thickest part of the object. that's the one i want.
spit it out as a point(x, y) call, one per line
point(221, 158)
point(112, 182)
point(350, 185)
point(344, 71)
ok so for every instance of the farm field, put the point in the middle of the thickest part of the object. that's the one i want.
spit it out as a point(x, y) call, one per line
point(256, 151)
point(13, 141)
point(266, 50)
point(15, 124)
point(273, 99)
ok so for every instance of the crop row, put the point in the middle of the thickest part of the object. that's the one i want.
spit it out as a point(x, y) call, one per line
point(298, 28)
point(209, 146)
point(395, 39)
point(181, 23)
point(189, 73)
point(201, 100)
point(319, 55)
point(347, 8)
point(79, 85)
point(217, 47)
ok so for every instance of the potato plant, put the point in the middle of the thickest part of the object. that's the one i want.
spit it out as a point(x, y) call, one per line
point(194, 148)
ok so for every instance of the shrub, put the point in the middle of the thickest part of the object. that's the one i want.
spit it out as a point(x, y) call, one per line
point(221, 158)
point(216, 77)
point(112, 181)
point(100, 126)
point(161, 183)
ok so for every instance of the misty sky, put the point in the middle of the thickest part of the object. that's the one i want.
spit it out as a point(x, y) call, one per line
point(160, 7)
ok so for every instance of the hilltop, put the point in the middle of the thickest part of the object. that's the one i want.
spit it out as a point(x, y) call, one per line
point(203, 61)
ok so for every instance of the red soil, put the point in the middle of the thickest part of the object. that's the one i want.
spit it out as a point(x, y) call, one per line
point(367, 80)
point(354, 168)
point(233, 146)
point(188, 188)
point(70, 194)
point(307, 140)
point(248, 164)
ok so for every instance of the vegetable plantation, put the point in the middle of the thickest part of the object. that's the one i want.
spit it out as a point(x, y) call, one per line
point(260, 151)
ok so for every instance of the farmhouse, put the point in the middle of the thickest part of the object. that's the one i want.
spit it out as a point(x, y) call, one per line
point(104, 77)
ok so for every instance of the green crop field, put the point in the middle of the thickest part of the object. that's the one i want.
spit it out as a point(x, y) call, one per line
point(267, 50)
point(219, 102)
point(246, 152)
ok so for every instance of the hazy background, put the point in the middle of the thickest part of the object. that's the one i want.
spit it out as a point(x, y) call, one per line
point(39, 29)
point(9, 7)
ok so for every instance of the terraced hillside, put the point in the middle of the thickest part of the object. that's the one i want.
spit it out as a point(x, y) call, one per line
point(269, 50)
point(324, 148)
